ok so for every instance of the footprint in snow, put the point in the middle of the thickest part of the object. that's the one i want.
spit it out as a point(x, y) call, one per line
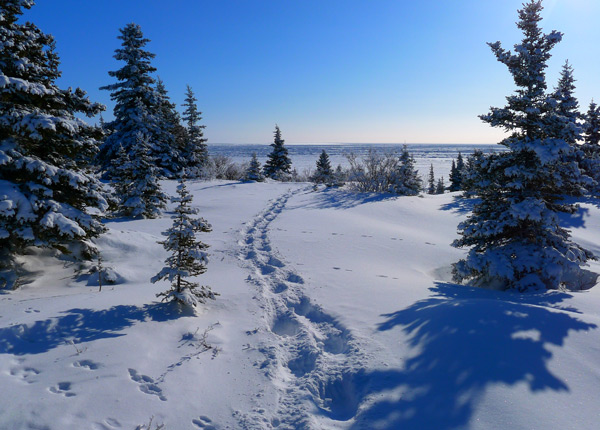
point(147, 384)
point(30, 310)
point(86, 364)
point(108, 424)
point(203, 422)
point(26, 374)
point(63, 388)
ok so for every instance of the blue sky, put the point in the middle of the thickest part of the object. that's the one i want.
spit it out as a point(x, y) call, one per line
point(327, 70)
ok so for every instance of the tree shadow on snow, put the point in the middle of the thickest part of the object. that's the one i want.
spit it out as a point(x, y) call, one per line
point(332, 198)
point(460, 205)
point(83, 325)
point(465, 340)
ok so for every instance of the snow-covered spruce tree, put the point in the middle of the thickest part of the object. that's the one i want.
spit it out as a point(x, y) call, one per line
point(431, 181)
point(188, 255)
point(471, 180)
point(407, 181)
point(45, 149)
point(513, 233)
point(564, 122)
point(456, 173)
point(254, 173)
point(195, 150)
point(440, 188)
point(590, 149)
point(324, 174)
point(136, 100)
point(455, 178)
point(169, 152)
point(137, 186)
point(278, 165)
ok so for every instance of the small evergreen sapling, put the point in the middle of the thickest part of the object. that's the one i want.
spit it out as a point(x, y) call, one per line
point(440, 187)
point(324, 174)
point(431, 181)
point(278, 165)
point(253, 173)
point(188, 256)
point(406, 180)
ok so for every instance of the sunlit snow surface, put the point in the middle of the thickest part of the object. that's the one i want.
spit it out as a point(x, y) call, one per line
point(337, 311)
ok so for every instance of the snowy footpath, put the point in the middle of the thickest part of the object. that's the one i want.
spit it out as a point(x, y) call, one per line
point(336, 311)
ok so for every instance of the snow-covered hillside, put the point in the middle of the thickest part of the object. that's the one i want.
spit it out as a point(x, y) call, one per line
point(336, 311)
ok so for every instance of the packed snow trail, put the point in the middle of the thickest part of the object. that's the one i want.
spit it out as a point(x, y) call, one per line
point(309, 349)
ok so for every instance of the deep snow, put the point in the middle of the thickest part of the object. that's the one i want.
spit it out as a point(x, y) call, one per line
point(336, 312)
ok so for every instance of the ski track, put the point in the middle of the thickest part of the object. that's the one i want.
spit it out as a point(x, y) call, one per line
point(310, 357)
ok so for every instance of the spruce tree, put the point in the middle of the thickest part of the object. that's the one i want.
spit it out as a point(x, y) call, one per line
point(455, 178)
point(137, 187)
point(440, 187)
point(324, 174)
point(169, 152)
point(188, 257)
point(471, 180)
point(196, 151)
point(136, 100)
point(407, 181)
point(514, 235)
point(431, 181)
point(590, 150)
point(45, 149)
point(564, 122)
point(278, 165)
point(254, 173)
point(460, 164)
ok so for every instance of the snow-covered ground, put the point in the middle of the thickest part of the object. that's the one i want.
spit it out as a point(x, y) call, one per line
point(336, 312)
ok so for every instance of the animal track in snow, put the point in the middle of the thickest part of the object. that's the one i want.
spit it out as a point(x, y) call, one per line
point(86, 364)
point(26, 374)
point(147, 384)
point(63, 388)
point(107, 424)
point(203, 422)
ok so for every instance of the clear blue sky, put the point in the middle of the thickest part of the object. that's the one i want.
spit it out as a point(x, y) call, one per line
point(324, 70)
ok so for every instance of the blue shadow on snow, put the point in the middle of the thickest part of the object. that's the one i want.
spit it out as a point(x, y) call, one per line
point(464, 340)
point(82, 325)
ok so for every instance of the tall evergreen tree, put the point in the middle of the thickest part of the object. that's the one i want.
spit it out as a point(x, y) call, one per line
point(513, 233)
point(471, 179)
point(254, 173)
point(431, 181)
point(169, 152)
point(564, 122)
point(455, 178)
point(137, 186)
point(278, 165)
point(188, 255)
point(136, 100)
point(45, 149)
point(324, 174)
point(590, 150)
point(196, 151)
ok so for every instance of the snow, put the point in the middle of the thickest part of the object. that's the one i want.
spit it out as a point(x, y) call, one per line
point(336, 311)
